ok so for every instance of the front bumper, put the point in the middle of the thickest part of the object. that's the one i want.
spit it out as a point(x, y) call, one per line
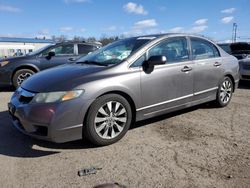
point(56, 122)
point(245, 70)
point(5, 77)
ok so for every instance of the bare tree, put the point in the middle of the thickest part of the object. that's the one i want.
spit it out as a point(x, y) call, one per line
point(104, 39)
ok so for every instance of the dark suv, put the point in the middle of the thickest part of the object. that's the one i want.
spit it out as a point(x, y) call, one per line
point(14, 70)
point(241, 50)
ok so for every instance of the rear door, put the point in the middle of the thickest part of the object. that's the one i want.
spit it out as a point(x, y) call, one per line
point(64, 53)
point(171, 84)
point(208, 70)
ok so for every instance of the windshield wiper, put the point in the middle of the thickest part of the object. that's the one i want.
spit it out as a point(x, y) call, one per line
point(92, 63)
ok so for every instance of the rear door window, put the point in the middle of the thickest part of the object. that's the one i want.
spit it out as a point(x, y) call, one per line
point(202, 49)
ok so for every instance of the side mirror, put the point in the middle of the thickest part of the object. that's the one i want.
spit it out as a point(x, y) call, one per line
point(148, 66)
point(157, 60)
point(51, 54)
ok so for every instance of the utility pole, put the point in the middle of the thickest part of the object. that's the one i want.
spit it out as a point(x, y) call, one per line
point(234, 34)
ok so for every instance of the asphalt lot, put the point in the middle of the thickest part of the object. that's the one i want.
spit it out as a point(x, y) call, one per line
point(202, 146)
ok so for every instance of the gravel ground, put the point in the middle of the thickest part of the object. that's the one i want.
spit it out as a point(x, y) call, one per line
point(202, 146)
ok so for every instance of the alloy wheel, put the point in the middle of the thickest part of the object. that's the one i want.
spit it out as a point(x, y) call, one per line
point(110, 120)
point(22, 77)
point(226, 91)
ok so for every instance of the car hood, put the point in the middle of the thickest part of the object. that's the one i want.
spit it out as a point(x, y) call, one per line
point(62, 78)
point(14, 59)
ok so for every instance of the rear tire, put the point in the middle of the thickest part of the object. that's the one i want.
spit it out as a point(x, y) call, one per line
point(225, 92)
point(108, 120)
point(20, 76)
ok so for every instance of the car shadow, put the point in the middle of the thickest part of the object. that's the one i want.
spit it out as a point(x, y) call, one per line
point(15, 144)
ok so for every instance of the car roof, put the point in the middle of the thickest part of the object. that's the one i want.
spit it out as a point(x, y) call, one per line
point(162, 35)
point(80, 42)
point(170, 34)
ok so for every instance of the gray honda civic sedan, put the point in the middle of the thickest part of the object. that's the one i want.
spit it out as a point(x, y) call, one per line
point(132, 79)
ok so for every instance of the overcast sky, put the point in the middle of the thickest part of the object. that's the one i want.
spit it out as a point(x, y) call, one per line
point(213, 18)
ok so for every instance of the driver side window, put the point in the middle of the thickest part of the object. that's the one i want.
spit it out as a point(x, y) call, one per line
point(61, 50)
point(175, 50)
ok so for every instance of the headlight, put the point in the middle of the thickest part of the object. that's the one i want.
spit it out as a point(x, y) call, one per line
point(56, 96)
point(3, 63)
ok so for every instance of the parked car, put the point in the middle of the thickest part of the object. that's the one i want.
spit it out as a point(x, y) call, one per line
point(13, 71)
point(241, 50)
point(103, 93)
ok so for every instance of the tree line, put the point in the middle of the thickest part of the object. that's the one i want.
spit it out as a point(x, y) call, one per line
point(103, 39)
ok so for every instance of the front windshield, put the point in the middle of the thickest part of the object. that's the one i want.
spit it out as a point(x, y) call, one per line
point(40, 50)
point(114, 53)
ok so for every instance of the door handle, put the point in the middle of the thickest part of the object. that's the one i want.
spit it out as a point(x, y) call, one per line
point(217, 64)
point(186, 69)
point(71, 59)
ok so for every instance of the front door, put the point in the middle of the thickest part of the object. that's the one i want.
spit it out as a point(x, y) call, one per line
point(171, 84)
point(63, 54)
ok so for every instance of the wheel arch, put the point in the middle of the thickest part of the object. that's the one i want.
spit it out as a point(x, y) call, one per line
point(31, 67)
point(121, 93)
point(126, 96)
point(232, 78)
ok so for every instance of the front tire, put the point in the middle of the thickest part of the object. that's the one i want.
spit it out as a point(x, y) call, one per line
point(20, 76)
point(108, 120)
point(225, 92)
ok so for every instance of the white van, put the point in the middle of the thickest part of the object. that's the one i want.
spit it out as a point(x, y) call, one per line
point(15, 50)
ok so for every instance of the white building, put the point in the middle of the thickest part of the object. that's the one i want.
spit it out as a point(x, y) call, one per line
point(20, 46)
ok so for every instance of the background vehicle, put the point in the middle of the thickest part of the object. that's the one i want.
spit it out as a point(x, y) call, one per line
point(103, 93)
point(13, 71)
point(241, 50)
point(16, 50)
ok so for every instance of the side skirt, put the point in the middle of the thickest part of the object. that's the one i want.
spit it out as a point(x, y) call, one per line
point(142, 116)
